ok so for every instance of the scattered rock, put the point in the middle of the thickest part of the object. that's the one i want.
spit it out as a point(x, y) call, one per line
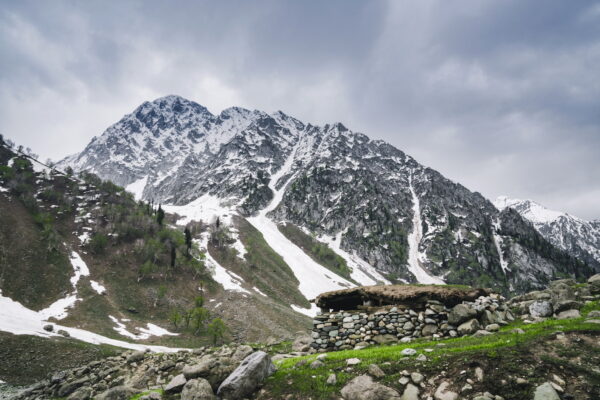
point(302, 342)
point(492, 328)
point(316, 364)
point(481, 333)
point(83, 393)
point(244, 380)
point(421, 358)
point(404, 380)
point(353, 361)
point(460, 313)
point(466, 328)
point(49, 327)
point(63, 333)
point(518, 330)
point(136, 356)
point(594, 314)
point(416, 377)
point(558, 380)
point(568, 314)
point(385, 339)
point(411, 392)
point(541, 309)
point(479, 374)
point(176, 384)
point(118, 393)
point(545, 392)
point(375, 371)
point(408, 352)
point(364, 388)
point(197, 389)
point(442, 392)
point(332, 379)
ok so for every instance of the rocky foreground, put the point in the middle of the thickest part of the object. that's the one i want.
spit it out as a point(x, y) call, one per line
point(551, 353)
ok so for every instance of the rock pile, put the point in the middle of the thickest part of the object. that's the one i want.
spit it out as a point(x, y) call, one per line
point(562, 299)
point(356, 329)
point(233, 372)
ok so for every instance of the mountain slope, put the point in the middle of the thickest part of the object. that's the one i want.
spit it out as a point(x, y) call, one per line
point(578, 237)
point(389, 217)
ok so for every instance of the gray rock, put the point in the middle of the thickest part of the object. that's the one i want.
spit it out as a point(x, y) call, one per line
point(594, 314)
point(197, 389)
point(118, 393)
point(492, 328)
point(49, 327)
point(567, 305)
point(385, 339)
point(408, 352)
point(244, 380)
point(152, 396)
point(176, 384)
point(202, 369)
point(416, 377)
point(421, 358)
point(411, 392)
point(375, 371)
point(302, 342)
point(353, 361)
point(443, 393)
point(545, 392)
point(69, 387)
point(136, 356)
point(316, 364)
point(63, 333)
point(568, 314)
point(331, 379)
point(481, 333)
point(594, 279)
point(364, 388)
point(429, 330)
point(540, 309)
point(83, 393)
point(242, 352)
point(468, 327)
point(460, 313)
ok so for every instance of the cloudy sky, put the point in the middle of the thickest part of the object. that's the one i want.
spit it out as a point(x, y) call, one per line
point(502, 96)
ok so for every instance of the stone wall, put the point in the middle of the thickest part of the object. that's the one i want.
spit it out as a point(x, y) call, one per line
point(357, 329)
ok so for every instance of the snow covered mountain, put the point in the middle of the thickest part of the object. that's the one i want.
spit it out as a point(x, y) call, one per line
point(578, 237)
point(386, 215)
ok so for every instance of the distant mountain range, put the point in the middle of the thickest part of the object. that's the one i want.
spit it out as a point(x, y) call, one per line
point(578, 237)
point(388, 217)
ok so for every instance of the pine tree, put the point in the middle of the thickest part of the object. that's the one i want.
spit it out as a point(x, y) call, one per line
point(173, 255)
point(218, 223)
point(188, 240)
point(160, 215)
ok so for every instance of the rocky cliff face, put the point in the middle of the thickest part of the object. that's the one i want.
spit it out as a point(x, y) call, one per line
point(370, 201)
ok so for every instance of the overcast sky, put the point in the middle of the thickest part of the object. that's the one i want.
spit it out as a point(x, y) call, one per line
point(501, 96)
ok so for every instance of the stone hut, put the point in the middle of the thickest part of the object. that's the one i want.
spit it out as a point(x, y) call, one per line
point(358, 317)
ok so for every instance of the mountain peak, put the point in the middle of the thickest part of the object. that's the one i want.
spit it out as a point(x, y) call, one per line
point(531, 210)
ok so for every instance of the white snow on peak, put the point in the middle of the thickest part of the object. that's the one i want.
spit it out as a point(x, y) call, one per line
point(529, 209)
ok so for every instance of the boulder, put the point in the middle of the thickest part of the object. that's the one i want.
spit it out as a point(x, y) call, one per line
point(331, 379)
point(385, 339)
point(136, 356)
point(466, 328)
point(241, 352)
point(202, 369)
point(244, 380)
point(49, 327)
point(197, 389)
point(411, 392)
point(176, 384)
point(118, 393)
point(545, 392)
point(429, 330)
point(375, 371)
point(460, 313)
point(302, 342)
point(568, 314)
point(69, 387)
point(541, 309)
point(442, 392)
point(408, 352)
point(567, 305)
point(594, 314)
point(83, 393)
point(364, 388)
point(594, 279)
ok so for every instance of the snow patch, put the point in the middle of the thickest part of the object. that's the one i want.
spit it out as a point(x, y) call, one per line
point(98, 287)
point(151, 330)
point(205, 208)
point(137, 187)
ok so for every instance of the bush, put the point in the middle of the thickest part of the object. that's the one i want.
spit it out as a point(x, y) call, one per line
point(97, 243)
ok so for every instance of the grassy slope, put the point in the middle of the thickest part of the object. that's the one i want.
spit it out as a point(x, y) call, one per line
point(509, 353)
point(320, 252)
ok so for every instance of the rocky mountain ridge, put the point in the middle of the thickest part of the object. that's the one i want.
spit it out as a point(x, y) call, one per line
point(578, 237)
point(388, 216)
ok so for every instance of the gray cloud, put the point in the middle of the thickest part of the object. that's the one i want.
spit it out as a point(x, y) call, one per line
point(503, 97)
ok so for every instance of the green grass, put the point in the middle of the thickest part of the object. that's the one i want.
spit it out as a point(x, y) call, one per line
point(305, 380)
point(138, 396)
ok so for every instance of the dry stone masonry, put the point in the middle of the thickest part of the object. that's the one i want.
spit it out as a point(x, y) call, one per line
point(351, 329)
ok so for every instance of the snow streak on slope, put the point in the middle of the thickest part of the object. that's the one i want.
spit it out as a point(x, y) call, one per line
point(137, 187)
point(362, 272)
point(314, 279)
point(498, 243)
point(414, 239)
